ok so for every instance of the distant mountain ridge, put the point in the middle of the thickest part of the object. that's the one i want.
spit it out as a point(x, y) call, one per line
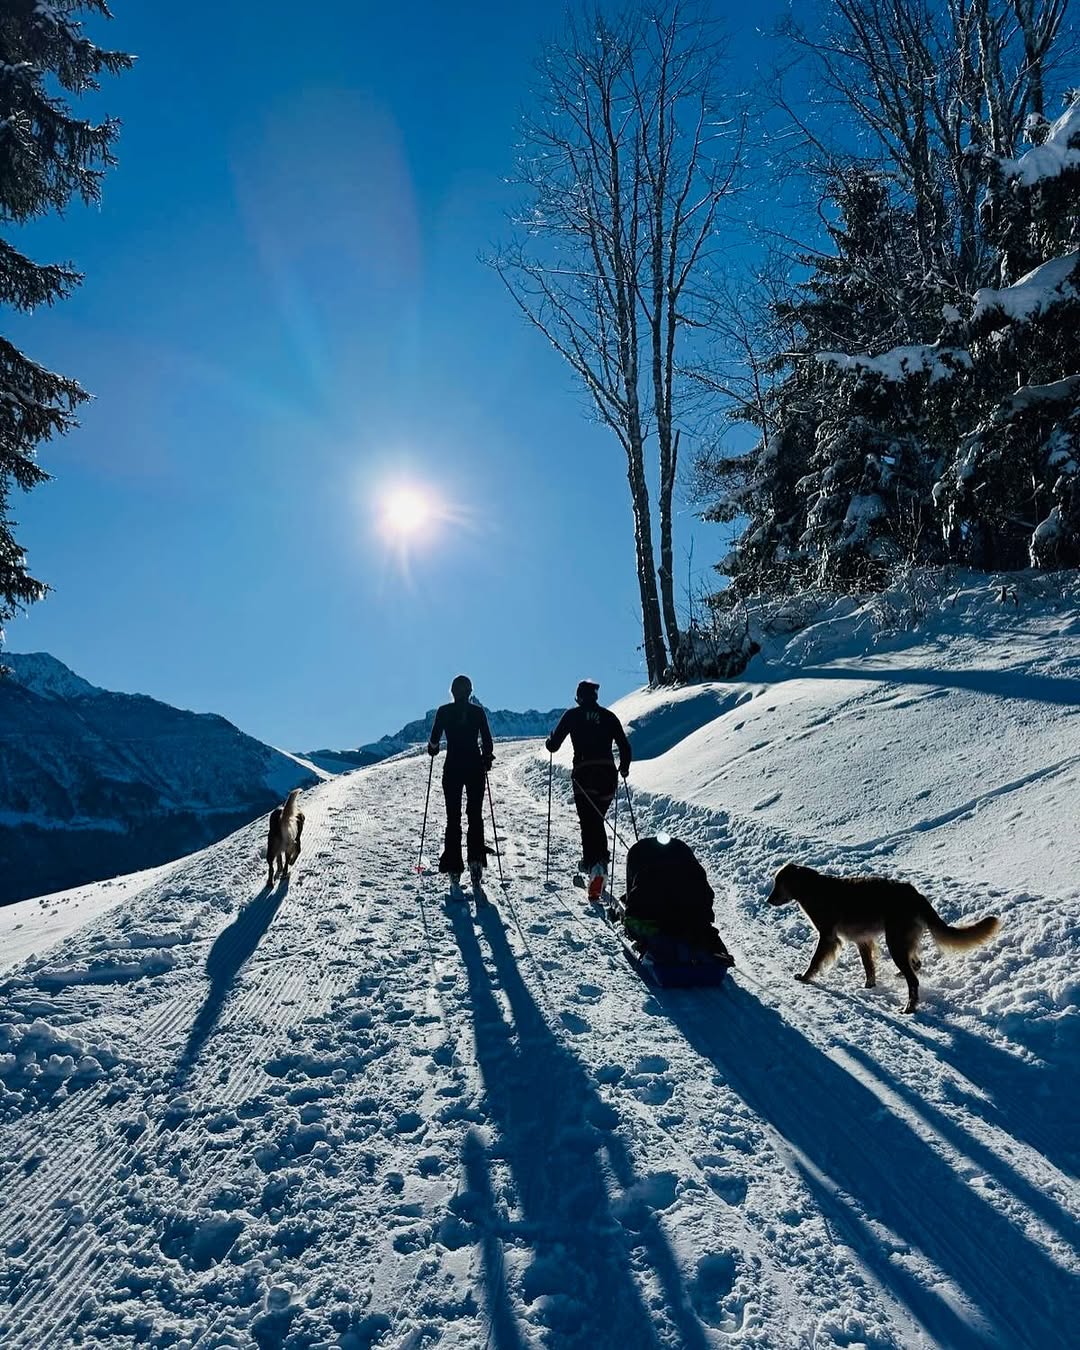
point(95, 783)
point(504, 724)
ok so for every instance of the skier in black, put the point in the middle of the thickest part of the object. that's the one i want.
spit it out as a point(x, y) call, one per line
point(592, 730)
point(470, 753)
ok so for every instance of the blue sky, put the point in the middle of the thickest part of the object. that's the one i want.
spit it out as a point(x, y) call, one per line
point(283, 311)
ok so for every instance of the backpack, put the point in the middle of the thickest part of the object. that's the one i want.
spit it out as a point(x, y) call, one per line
point(668, 893)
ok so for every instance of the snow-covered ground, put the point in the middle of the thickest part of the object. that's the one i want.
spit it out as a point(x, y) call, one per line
point(347, 1113)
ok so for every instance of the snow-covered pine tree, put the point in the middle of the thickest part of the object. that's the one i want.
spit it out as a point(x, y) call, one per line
point(837, 490)
point(47, 156)
point(895, 429)
point(1010, 495)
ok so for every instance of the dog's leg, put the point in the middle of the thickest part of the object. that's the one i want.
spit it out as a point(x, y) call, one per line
point(866, 951)
point(901, 944)
point(828, 946)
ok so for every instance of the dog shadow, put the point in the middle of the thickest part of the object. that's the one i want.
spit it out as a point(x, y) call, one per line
point(984, 1157)
point(1037, 1104)
point(865, 1166)
point(555, 1134)
point(232, 947)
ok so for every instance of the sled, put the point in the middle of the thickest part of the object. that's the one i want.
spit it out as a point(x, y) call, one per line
point(668, 962)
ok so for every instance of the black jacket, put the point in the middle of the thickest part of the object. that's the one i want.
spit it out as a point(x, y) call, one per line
point(592, 730)
point(468, 736)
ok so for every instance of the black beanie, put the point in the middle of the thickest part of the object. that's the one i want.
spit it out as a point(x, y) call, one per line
point(588, 691)
point(463, 684)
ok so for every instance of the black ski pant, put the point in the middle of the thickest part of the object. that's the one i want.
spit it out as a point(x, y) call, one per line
point(467, 778)
point(595, 786)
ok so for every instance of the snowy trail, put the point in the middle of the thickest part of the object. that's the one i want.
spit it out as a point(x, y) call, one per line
point(350, 1112)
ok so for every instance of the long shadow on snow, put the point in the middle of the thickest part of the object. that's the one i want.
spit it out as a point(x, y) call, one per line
point(231, 948)
point(551, 1123)
point(849, 1145)
point(1037, 1104)
point(998, 683)
point(999, 1169)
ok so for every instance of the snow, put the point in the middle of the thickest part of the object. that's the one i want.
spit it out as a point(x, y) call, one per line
point(349, 1113)
point(1058, 154)
point(45, 675)
point(900, 363)
point(1038, 291)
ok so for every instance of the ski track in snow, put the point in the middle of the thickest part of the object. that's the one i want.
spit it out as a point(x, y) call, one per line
point(349, 1112)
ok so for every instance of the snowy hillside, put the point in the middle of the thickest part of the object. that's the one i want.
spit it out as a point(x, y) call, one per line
point(94, 783)
point(348, 1113)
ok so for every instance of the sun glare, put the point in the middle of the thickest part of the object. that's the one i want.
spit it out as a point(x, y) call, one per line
point(405, 511)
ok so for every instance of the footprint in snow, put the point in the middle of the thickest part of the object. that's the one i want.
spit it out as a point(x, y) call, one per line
point(574, 1024)
point(652, 1064)
point(729, 1186)
point(711, 1287)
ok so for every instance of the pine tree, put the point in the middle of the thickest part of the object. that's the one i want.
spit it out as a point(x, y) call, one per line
point(47, 156)
point(1010, 494)
point(837, 491)
point(927, 409)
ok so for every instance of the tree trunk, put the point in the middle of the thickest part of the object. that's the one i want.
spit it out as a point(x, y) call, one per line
point(651, 627)
point(668, 465)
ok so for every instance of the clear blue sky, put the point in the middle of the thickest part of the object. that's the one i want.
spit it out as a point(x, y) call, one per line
point(283, 309)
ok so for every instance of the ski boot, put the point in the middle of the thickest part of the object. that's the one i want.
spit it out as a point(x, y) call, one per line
point(597, 877)
point(456, 893)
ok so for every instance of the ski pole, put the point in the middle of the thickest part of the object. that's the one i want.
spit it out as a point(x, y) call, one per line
point(614, 837)
point(423, 830)
point(630, 804)
point(547, 857)
point(494, 829)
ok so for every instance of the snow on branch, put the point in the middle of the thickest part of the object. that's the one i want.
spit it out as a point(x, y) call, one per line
point(1058, 154)
point(1039, 290)
point(901, 363)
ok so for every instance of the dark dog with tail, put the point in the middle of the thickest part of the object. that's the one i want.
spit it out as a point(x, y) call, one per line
point(862, 909)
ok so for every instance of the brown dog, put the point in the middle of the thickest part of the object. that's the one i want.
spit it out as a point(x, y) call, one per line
point(283, 840)
point(863, 908)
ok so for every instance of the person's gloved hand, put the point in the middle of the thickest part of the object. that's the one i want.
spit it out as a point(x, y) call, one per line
point(624, 769)
point(550, 748)
point(489, 760)
point(433, 747)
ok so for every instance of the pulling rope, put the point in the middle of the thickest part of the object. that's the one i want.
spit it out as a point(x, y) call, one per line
point(630, 804)
point(603, 814)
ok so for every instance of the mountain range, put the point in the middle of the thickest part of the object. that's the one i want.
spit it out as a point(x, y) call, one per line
point(95, 783)
point(505, 725)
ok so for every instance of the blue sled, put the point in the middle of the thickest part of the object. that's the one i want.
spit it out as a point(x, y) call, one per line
point(674, 965)
point(669, 962)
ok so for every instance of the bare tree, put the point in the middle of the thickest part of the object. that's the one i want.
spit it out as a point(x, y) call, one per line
point(625, 165)
point(918, 88)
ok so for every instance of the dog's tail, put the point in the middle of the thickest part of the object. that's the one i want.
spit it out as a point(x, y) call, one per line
point(960, 938)
point(274, 834)
point(290, 807)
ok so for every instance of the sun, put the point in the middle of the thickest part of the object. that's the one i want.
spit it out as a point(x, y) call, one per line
point(405, 511)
